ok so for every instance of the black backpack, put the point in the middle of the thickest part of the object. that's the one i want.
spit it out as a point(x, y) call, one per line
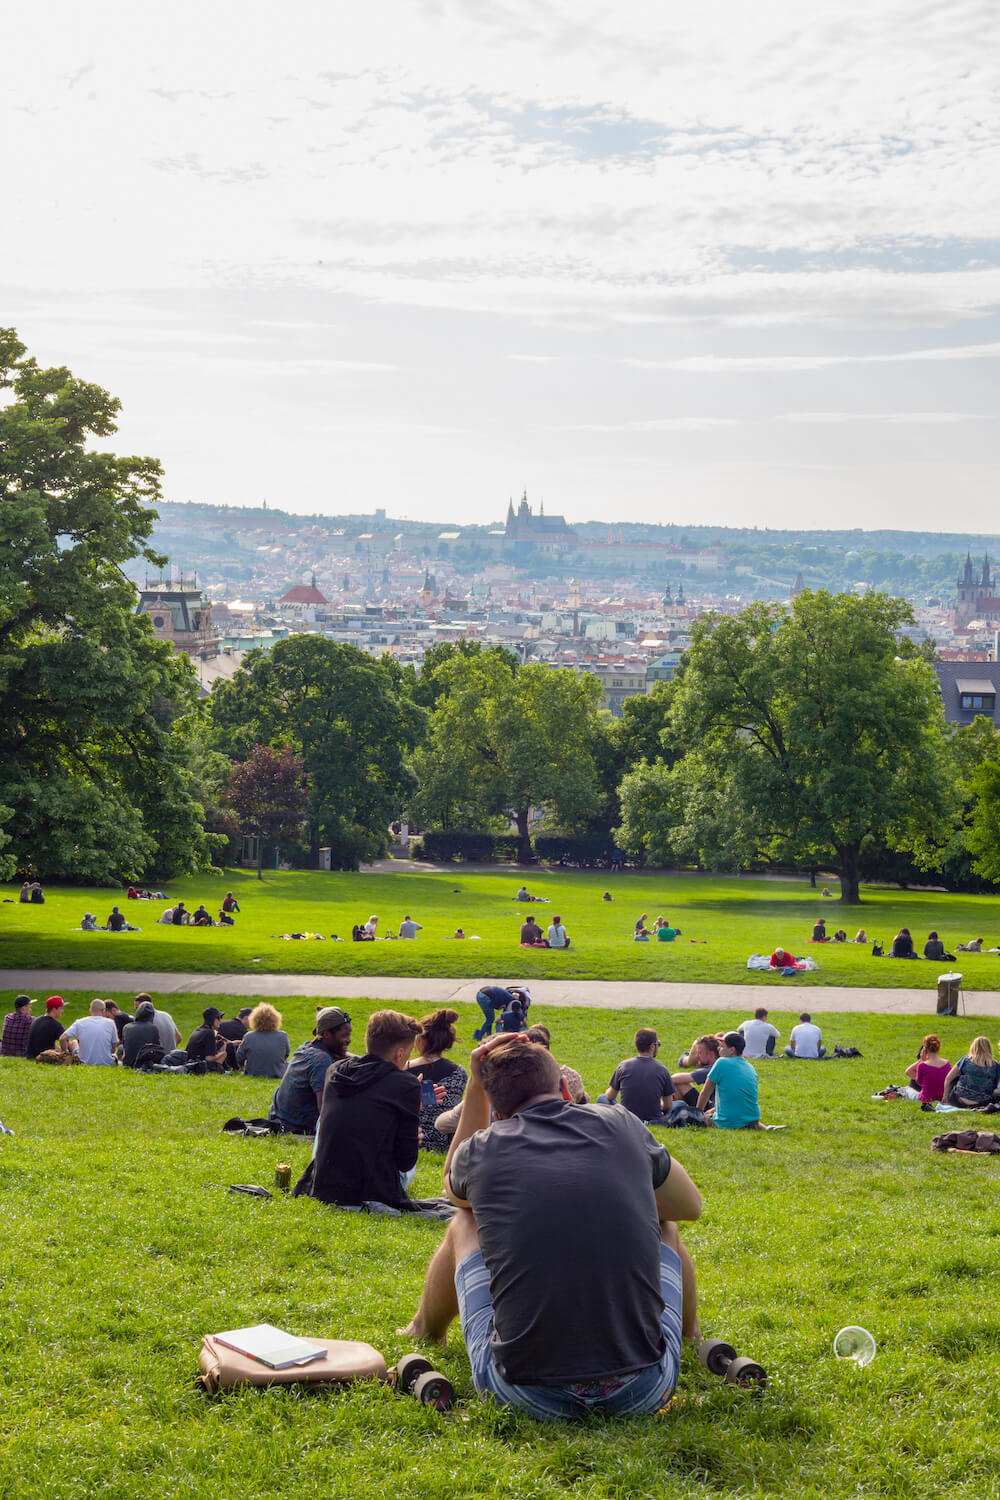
point(877, 950)
point(149, 1054)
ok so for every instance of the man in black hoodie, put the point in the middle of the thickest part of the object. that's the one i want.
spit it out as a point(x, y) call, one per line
point(368, 1127)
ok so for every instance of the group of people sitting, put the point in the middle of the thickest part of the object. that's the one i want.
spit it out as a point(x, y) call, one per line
point(31, 894)
point(367, 932)
point(555, 936)
point(252, 1042)
point(661, 931)
point(179, 916)
point(972, 1083)
point(139, 893)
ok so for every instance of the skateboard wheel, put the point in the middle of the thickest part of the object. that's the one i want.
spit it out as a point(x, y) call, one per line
point(746, 1372)
point(434, 1389)
point(716, 1355)
point(409, 1369)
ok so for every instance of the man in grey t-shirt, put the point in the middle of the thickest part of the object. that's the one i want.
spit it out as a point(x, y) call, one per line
point(166, 1032)
point(563, 1260)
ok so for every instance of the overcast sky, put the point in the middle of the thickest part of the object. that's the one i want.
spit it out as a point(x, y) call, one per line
point(665, 261)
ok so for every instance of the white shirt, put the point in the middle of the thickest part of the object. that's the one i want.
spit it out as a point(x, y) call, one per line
point(409, 929)
point(805, 1039)
point(98, 1038)
point(556, 936)
point(755, 1033)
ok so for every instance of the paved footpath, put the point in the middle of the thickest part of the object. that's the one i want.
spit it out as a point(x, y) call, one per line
point(592, 993)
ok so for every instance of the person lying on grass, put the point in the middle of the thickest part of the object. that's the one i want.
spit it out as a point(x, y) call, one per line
point(732, 1085)
point(563, 1261)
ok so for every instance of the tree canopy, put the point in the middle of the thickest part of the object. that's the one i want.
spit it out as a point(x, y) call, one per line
point(339, 710)
point(803, 733)
point(93, 772)
point(503, 741)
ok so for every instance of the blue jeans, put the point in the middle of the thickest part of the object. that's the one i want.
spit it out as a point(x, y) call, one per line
point(489, 1011)
point(623, 1395)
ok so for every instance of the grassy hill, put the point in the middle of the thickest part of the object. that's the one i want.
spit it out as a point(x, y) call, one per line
point(122, 1248)
point(722, 922)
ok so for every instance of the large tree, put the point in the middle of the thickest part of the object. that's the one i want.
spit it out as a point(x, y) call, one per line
point(505, 741)
point(805, 733)
point(93, 770)
point(339, 710)
point(267, 791)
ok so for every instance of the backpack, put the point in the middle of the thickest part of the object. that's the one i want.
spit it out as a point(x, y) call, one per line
point(839, 1051)
point(877, 950)
point(148, 1055)
point(355, 934)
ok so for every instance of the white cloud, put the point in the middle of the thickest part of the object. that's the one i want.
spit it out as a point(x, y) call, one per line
point(790, 364)
point(294, 205)
point(891, 418)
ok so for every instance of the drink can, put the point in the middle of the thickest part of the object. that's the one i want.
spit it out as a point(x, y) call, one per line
point(283, 1176)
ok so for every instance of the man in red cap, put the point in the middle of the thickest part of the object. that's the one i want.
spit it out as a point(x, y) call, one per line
point(46, 1030)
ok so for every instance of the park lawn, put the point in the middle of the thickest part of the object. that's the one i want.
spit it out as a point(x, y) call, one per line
point(122, 1249)
point(723, 921)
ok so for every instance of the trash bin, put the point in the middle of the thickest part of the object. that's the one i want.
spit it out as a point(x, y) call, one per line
point(948, 988)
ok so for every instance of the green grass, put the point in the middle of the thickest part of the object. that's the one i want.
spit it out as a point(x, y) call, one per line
point(121, 1249)
point(723, 921)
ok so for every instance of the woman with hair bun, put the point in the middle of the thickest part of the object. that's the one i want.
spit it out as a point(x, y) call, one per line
point(930, 1070)
point(437, 1035)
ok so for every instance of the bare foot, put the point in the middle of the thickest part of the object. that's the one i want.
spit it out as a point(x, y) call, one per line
point(415, 1330)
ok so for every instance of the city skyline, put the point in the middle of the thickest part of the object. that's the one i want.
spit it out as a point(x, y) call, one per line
point(722, 267)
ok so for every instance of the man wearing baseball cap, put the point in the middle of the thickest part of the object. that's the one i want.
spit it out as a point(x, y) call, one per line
point(16, 1028)
point(205, 1044)
point(299, 1096)
point(46, 1030)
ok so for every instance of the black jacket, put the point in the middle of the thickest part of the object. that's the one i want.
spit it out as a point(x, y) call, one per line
point(367, 1132)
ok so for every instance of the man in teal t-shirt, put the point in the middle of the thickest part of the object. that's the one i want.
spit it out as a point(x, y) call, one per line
point(666, 933)
point(732, 1082)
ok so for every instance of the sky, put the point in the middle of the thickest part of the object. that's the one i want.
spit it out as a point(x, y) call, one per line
point(647, 261)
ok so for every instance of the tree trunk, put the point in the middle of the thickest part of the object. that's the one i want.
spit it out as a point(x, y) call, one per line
point(523, 839)
point(260, 858)
point(850, 878)
point(812, 876)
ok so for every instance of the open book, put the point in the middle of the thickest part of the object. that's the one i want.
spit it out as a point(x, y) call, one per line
point(271, 1346)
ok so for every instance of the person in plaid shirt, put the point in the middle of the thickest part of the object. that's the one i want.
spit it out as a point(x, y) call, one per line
point(16, 1026)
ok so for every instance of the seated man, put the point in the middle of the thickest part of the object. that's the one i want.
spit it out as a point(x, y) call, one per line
point(557, 936)
point(230, 903)
point(698, 1062)
point(734, 1081)
point(93, 1038)
point(116, 922)
point(564, 1261)
point(299, 1095)
point(46, 1030)
point(367, 1137)
point(667, 934)
point(645, 1084)
point(759, 1035)
point(17, 1028)
point(522, 894)
point(819, 931)
point(89, 923)
point(512, 1019)
point(205, 1044)
point(805, 1040)
point(201, 917)
point(139, 1033)
point(532, 935)
point(181, 916)
point(408, 928)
